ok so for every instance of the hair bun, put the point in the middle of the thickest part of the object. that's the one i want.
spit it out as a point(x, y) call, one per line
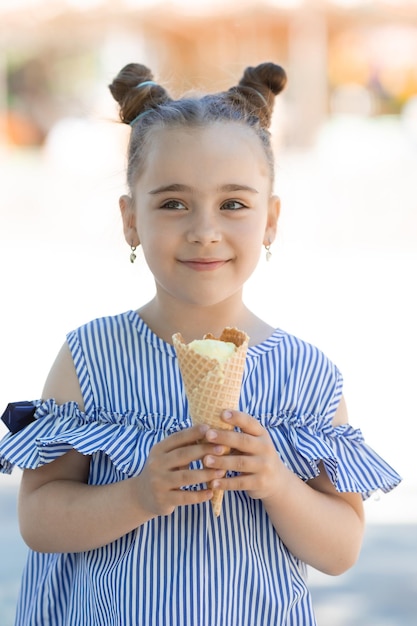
point(258, 86)
point(132, 99)
point(128, 78)
point(266, 75)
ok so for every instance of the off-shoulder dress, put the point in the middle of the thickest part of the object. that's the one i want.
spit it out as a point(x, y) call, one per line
point(189, 568)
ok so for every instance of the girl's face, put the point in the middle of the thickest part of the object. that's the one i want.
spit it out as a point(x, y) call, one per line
point(202, 208)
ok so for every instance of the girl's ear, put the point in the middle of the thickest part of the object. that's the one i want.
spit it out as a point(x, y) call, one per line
point(274, 209)
point(129, 220)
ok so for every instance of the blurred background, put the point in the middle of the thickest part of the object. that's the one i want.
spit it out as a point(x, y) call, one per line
point(343, 271)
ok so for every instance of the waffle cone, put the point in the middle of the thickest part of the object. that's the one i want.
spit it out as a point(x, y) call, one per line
point(211, 386)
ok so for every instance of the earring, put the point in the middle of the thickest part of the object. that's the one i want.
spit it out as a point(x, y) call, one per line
point(268, 252)
point(132, 254)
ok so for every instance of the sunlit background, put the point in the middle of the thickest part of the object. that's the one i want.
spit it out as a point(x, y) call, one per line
point(343, 271)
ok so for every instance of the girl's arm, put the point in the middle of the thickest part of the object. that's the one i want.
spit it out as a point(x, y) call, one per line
point(60, 512)
point(319, 525)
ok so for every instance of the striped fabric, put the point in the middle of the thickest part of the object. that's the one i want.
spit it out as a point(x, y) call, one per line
point(189, 568)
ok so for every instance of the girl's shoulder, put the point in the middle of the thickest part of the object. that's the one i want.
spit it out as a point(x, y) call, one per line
point(62, 382)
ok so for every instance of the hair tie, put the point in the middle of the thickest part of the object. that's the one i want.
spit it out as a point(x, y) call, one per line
point(145, 83)
point(261, 96)
point(137, 118)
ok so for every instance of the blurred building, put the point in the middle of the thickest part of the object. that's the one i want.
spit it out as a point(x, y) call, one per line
point(342, 56)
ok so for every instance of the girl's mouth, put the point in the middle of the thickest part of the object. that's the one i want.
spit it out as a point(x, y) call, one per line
point(204, 265)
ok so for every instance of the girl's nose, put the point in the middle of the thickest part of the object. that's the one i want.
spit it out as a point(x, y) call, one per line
point(203, 229)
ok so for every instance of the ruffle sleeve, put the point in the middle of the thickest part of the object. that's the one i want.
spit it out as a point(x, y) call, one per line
point(125, 439)
point(351, 464)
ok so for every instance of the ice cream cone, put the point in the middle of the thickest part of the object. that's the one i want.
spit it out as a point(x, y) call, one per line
point(212, 386)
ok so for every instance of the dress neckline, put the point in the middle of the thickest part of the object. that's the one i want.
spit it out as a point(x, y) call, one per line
point(265, 346)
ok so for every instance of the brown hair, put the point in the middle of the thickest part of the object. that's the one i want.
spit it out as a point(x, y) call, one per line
point(144, 104)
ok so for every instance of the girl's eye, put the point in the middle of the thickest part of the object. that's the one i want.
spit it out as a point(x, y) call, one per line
point(233, 205)
point(173, 204)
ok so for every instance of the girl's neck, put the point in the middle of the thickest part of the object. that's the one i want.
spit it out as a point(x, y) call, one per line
point(194, 322)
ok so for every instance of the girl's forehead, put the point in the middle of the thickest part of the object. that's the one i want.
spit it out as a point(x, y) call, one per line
point(219, 151)
point(218, 139)
point(211, 131)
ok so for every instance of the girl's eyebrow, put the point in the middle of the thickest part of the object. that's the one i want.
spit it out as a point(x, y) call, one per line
point(186, 188)
point(172, 187)
point(237, 187)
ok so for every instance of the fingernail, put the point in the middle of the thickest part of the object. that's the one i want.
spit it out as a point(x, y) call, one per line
point(215, 484)
point(203, 429)
point(227, 415)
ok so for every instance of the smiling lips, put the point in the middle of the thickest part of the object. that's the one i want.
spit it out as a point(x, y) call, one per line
point(204, 265)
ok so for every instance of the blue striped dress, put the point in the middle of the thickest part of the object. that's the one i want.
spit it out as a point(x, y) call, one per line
point(189, 568)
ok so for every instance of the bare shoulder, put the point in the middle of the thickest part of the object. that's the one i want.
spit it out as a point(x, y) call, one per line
point(341, 415)
point(62, 382)
point(62, 385)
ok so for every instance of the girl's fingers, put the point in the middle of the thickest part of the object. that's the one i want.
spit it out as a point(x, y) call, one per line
point(186, 497)
point(180, 449)
point(182, 457)
point(165, 501)
point(245, 422)
point(167, 473)
point(235, 483)
point(234, 463)
point(254, 461)
point(183, 437)
point(256, 484)
point(250, 430)
point(188, 477)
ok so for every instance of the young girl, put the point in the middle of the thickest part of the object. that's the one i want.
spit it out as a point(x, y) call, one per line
point(115, 495)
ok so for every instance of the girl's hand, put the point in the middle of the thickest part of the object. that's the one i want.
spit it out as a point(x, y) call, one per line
point(252, 454)
point(319, 525)
point(167, 471)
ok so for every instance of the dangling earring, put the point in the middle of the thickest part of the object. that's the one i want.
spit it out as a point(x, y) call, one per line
point(268, 252)
point(132, 254)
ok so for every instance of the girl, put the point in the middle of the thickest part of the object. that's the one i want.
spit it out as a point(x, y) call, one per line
point(115, 495)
